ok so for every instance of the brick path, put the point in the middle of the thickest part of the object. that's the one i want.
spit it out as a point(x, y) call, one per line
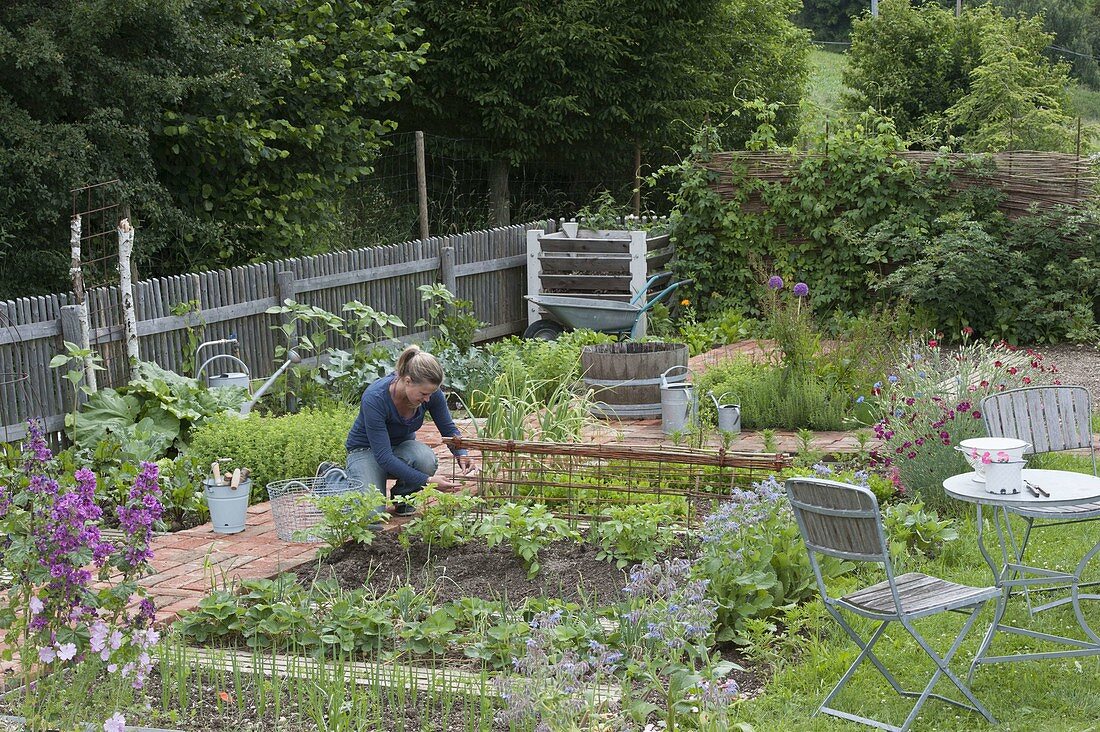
point(190, 563)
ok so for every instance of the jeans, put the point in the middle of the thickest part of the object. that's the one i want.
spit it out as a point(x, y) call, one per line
point(363, 467)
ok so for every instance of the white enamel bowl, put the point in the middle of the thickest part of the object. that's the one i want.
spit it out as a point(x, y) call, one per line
point(976, 447)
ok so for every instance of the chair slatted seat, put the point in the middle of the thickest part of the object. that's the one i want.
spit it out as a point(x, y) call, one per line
point(844, 521)
point(1050, 419)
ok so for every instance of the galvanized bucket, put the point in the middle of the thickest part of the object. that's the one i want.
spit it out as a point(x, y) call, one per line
point(677, 401)
point(729, 415)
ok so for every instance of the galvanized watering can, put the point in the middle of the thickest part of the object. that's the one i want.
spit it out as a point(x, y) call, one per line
point(677, 400)
point(729, 415)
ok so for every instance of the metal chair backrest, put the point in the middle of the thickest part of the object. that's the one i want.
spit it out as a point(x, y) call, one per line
point(1050, 418)
point(838, 519)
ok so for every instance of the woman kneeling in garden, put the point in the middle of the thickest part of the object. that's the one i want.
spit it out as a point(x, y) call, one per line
point(382, 441)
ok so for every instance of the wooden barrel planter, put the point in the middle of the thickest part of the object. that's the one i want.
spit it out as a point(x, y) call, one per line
point(626, 377)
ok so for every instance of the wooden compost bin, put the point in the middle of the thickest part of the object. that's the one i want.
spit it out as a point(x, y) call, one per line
point(607, 264)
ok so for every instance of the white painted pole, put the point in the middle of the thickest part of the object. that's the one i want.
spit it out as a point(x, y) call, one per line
point(126, 287)
point(77, 274)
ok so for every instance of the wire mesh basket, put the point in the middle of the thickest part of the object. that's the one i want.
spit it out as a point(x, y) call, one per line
point(294, 502)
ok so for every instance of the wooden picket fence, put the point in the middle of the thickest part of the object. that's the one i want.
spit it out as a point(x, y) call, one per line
point(485, 267)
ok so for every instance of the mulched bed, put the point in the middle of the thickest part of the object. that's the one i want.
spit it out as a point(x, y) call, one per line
point(567, 570)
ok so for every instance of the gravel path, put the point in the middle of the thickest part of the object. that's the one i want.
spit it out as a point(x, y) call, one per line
point(1079, 365)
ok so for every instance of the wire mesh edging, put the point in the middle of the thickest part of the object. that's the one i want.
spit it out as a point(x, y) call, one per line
point(577, 481)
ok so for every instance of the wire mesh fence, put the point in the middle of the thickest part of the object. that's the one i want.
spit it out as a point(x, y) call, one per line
point(458, 183)
point(578, 481)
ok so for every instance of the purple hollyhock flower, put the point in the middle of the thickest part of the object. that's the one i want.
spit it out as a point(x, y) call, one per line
point(775, 282)
point(801, 289)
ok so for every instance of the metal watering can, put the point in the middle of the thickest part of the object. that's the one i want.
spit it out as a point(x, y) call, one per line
point(729, 415)
point(677, 400)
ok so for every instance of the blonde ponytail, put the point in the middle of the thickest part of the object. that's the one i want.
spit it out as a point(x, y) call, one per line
point(421, 367)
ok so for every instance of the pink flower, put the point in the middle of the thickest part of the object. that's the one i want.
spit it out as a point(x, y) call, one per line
point(117, 723)
point(932, 343)
point(36, 605)
point(46, 654)
point(986, 459)
point(976, 414)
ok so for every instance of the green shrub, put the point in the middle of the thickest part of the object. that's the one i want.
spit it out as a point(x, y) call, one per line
point(547, 364)
point(981, 77)
point(910, 528)
point(275, 448)
point(443, 520)
point(526, 529)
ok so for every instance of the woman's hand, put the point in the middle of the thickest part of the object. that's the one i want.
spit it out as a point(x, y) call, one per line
point(444, 482)
point(467, 465)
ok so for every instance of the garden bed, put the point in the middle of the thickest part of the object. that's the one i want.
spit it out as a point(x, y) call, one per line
point(231, 702)
point(568, 571)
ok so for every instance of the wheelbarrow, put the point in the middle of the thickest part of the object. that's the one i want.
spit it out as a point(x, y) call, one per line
point(605, 316)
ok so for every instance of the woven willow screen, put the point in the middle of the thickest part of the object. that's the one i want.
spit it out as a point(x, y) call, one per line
point(580, 480)
point(1025, 177)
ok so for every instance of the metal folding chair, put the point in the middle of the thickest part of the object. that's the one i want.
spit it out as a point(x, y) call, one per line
point(842, 520)
point(1051, 419)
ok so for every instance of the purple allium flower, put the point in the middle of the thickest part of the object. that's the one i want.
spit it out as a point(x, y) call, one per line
point(801, 289)
point(775, 282)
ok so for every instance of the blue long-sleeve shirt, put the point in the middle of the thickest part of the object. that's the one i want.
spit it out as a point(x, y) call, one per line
point(381, 427)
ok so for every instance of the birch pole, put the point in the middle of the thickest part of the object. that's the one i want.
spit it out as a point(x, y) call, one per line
point(77, 274)
point(126, 287)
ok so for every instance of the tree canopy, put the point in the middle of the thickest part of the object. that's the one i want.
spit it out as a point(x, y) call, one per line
point(578, 78)
point(979, 81)
point(235, 127)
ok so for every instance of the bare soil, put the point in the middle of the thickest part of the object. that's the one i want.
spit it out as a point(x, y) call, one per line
point(567, 570)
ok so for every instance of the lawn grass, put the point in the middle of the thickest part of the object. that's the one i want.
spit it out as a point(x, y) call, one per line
point(1085, 102)
point(1055, 695)
point(823, 90)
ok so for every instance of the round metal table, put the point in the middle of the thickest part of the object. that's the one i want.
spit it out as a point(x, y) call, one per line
point(1063, 488)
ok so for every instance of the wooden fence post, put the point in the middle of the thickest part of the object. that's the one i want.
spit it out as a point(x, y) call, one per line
point(447, 269)
point(285, 289)
point(422, 185)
